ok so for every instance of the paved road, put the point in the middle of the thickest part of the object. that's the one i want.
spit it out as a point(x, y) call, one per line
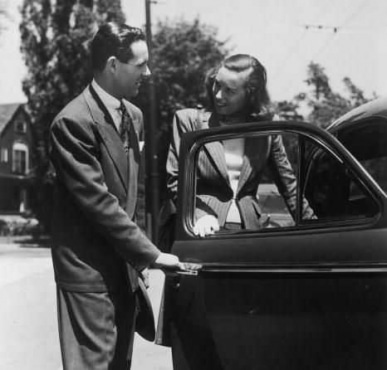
point(28, 329)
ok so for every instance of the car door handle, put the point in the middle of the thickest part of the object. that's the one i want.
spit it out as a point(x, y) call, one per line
point(191, 269)
point(189, 273)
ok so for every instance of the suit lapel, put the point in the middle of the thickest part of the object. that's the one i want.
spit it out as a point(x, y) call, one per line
point(108, 134)
point(216, 153)
point(215, 149)
point(255, 156)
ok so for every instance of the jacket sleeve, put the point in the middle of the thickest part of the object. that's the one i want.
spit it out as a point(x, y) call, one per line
point(74, 154)
point(285, 178)
point(181, 124)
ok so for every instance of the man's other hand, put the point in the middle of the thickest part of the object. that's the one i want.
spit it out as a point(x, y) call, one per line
point(167, 261)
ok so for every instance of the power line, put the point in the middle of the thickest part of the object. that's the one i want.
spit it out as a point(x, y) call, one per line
point(291, 51)
point(321, 27)
point(335, 29)
point(352, 15)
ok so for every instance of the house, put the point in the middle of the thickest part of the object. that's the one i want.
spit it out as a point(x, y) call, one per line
point(16, 159)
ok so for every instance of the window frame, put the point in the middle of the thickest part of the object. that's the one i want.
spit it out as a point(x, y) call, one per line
point(191, 143)
point(20, 147)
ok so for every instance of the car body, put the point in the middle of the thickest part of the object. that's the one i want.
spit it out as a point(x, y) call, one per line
point(299, 293)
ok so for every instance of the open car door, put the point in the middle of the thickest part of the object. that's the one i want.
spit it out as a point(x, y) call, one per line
point(307, 288)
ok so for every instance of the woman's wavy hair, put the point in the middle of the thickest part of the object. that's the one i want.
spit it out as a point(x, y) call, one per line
point(258, 95)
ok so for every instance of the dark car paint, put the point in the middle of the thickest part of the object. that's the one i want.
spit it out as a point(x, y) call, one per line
point(372, 109)
point(302, 298)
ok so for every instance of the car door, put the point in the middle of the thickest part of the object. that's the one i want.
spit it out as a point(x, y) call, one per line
point(305, 290)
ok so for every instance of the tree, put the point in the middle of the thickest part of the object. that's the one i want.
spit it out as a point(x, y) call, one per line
point(54, 44)
point(356, 96)
point(287, 110)
point(324, 105)
point(182, 53)
point(3, 14)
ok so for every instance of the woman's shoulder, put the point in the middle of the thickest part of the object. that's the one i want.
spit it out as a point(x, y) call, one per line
point(195, 117)
point(263, 116)
point(191, 112)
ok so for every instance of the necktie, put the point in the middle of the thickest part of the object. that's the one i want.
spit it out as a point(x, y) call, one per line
point(125, 127)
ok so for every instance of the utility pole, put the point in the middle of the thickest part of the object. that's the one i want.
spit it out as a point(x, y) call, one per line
point(152, 170)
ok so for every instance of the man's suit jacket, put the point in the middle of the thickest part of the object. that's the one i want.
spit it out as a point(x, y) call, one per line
point(97, 244)
point(214, 192)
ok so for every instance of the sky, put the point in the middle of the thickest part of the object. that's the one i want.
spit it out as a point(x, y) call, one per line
point(347, 37)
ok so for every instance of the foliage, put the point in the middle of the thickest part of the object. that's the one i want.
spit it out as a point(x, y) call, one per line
point(182, 53)
point(3, 15)
point(287, 110)
point(323, 104)
point(54, 44)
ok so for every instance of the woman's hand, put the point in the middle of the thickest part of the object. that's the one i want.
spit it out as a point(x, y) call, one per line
point(206, 225)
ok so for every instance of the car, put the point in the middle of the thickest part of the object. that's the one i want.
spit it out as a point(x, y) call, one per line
point(4, 228)
point(299, 293)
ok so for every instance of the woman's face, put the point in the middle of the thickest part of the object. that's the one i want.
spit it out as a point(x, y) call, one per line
point(229, 91)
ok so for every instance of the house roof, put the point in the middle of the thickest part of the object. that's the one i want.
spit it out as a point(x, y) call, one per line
point(7, 111)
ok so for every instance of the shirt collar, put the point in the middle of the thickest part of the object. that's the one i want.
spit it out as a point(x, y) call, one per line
point(111, 103)
point(109, 100)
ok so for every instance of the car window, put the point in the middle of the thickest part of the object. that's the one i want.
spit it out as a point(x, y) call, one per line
point(277, 181)
point(334, 192)
point(367, 142)
point(377, 168)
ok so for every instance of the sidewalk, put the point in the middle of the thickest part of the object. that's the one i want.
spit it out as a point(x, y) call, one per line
point(28, 327)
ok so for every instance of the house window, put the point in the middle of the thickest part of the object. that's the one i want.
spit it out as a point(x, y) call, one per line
point(21, 127)
point(4, 155)
point(19, 158)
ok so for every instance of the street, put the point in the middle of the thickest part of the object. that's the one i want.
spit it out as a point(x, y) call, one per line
point(28, 328)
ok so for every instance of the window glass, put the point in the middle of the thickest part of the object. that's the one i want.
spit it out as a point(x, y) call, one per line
point(20, 158)
point(367, 142)
point(20, 127)
point(276, 181)
point(277, 189)
point(377, 168)
point(334, 192)
point(4, 155)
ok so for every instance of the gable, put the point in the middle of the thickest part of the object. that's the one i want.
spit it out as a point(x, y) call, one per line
point(7, 113)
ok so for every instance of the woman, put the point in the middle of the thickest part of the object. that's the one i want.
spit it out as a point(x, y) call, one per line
point(237, 92)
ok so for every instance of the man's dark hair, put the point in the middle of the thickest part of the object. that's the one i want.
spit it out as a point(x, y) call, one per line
point(113, 39)
point(256, 83)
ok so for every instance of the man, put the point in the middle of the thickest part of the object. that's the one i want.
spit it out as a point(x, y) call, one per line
point(99, 252)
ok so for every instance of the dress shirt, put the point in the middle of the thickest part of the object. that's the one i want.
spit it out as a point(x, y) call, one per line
point(111, 103)
point(233, 151)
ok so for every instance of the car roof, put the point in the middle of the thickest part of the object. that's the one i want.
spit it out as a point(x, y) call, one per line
point(374, 108)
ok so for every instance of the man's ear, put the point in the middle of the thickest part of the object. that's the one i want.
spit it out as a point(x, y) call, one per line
point(111, 64)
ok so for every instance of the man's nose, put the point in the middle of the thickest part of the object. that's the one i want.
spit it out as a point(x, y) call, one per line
point(146, 72)
point(218, 94)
